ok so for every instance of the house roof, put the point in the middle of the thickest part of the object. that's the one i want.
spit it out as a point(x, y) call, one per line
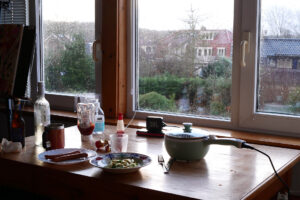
point(280, 47)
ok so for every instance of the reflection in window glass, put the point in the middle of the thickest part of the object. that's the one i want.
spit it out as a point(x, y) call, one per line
point(183, 74)
point(68, 35)
point(279, 74)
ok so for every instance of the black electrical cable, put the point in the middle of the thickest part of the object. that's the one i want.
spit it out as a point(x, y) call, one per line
point(166, 125)
point(245, 145)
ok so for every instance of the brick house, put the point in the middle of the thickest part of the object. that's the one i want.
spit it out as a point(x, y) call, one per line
point(209, 45)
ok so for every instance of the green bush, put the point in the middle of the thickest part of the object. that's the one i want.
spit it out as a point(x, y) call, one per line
point(155, 101)
point(165, 85)
point(294, 99)
point(220, 68)
point(217, 108)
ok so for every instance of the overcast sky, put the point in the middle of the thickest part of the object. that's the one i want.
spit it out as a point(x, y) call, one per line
point(160, 14)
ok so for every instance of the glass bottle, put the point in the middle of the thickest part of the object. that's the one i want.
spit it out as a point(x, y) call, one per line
point(18, 124)
point(41, 114)
point(99, 119)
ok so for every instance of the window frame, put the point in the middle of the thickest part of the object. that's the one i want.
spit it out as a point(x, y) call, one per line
point(133, 85)
point(244, 82)
point(66, 101)
point(278, 124)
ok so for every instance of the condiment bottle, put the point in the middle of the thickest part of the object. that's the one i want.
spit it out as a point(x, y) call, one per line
point(18, 125)
point(120, 124)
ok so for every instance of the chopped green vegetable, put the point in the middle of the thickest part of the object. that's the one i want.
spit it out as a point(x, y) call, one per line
point(123, 163)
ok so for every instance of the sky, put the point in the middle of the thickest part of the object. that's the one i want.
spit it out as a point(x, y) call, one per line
point(69, 10)
point(160, 14)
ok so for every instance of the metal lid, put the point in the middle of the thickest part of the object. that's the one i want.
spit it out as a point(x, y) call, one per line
point(186, 135)
point(54, 126)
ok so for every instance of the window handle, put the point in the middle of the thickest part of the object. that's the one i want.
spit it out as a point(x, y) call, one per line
point(245, 46)
point(95, 58)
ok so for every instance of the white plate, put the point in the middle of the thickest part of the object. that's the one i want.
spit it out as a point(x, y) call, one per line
point(104, 161)
point(90, 153)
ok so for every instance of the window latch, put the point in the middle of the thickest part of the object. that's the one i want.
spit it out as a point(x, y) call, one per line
point(245, 46)
point(96, 46)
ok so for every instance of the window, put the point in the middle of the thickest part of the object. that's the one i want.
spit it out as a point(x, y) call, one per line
point(199, 52)
point(181, 76)
point(261, 96)
point(14, 12)
point(67, 45)
point(274, 101)
point(221, 51)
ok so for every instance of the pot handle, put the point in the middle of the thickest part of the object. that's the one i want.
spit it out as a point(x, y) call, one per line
point(225, 141)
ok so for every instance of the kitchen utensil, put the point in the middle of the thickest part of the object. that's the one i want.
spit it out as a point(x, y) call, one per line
point(161, 161)
point(170, 163)
point(195, 145)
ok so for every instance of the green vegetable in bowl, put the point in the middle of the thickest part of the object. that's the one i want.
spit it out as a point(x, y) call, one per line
point(123, 163)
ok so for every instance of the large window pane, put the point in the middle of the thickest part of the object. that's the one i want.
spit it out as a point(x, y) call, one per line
point(68, 34)
point(184, 60)
point(279, 63)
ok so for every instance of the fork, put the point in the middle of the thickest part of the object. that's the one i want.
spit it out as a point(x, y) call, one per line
point(161, 161)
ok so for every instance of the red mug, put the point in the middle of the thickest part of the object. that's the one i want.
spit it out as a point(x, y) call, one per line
point(54, 136)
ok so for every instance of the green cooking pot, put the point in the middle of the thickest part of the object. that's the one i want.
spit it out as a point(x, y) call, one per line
point(194, 145)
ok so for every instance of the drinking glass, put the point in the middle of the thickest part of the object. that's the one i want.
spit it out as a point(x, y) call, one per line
point(86, 120)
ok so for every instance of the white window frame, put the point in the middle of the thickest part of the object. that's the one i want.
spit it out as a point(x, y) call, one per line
point(243, 114)
point(67, 101)
point(221, 51)
point(250, 119)
point(133, 85)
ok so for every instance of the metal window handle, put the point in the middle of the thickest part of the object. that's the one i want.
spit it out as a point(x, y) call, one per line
point(95, 50)
point(245, 45)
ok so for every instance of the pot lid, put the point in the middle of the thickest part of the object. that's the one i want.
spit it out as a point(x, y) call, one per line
point(186, 135)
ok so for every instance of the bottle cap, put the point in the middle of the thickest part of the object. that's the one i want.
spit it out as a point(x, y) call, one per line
point(120, 116)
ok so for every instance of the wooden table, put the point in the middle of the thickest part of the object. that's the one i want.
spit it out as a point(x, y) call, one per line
point(225, 173)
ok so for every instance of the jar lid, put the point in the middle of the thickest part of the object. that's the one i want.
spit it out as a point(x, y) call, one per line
point(185, 135)
point(54, 126)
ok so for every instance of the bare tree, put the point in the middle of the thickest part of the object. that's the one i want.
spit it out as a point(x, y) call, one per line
point(278, 22)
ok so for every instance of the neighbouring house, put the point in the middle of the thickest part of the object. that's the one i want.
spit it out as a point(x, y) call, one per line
point(280, 53)
point(54, 44)
point(207, 45)
point(213, 44)
point(279, 71)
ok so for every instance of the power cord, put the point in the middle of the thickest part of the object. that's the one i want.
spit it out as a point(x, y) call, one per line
point(131, 120)
point(245, 145)
point(166, 125)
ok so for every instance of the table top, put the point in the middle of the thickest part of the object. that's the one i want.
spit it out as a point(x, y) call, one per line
point(225, 172)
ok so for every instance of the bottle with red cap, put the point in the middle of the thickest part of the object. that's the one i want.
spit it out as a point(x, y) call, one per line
point(120, 124)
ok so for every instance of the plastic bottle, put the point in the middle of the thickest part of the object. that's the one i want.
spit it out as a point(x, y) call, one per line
point(119, 140)
point(120, 124)
point(99, 119)
point(41, 114)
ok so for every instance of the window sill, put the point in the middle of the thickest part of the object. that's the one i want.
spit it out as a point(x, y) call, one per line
point(250, 137)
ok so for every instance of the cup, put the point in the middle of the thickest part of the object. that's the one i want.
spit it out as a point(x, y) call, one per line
point(118, 142)
point(54, 136)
